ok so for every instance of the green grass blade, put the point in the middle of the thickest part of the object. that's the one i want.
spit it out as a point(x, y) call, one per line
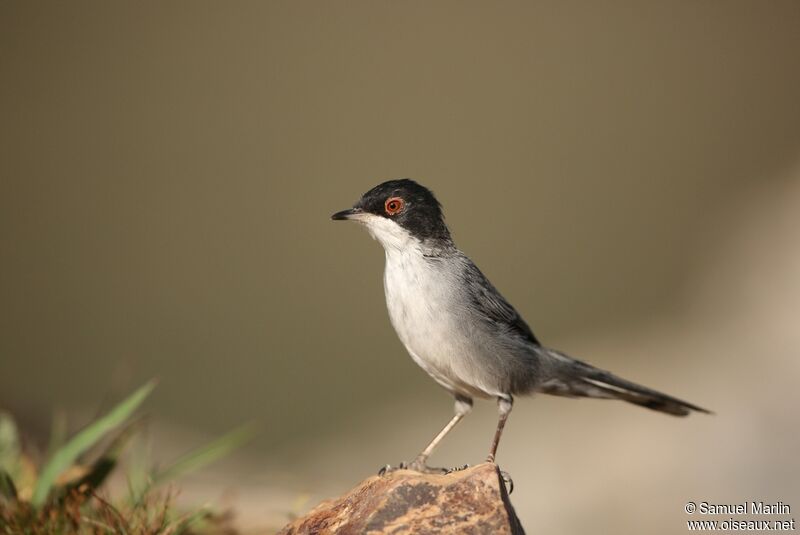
point(7, 488)
point(107, 461)
point(58, 432)
point(138, 470)
point(205, 455)
point(9, 444)
point(67, 454)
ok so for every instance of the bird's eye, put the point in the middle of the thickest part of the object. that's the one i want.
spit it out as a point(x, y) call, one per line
point(394, 205)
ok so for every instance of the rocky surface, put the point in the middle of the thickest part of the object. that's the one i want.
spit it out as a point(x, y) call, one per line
point(471, 501)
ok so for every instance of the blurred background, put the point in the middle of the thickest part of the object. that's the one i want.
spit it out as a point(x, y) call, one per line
point(626, 173)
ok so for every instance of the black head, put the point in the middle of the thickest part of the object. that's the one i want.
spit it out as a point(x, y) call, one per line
point(405, 202)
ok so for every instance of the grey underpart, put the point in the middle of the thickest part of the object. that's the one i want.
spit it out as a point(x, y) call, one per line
point(462, 331)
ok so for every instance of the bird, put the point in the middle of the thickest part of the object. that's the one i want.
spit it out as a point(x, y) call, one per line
point(458, 327)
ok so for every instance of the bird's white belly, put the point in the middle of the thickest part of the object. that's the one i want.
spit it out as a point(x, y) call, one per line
point(421, 308)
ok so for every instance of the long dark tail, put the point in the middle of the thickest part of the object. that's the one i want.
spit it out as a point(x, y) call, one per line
point(572, 377)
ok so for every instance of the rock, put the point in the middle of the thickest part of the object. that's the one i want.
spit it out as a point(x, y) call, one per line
point(472, 501)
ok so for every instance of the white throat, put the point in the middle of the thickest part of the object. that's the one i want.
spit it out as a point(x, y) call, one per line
point(389, 234)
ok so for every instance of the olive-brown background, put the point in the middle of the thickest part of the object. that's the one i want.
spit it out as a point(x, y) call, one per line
point(627, 173)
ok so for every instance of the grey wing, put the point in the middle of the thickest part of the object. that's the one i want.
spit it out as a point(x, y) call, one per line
point(492, 306)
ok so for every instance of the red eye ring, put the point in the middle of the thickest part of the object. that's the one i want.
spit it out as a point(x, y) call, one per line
point(394, 205)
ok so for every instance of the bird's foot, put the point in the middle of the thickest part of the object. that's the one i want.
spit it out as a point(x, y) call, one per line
point(505, 476)
point(509, 483)
point(417, 465)
point(456, 469)
point(388, 468)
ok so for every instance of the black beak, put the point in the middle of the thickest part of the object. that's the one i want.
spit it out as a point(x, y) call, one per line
point(345, 214)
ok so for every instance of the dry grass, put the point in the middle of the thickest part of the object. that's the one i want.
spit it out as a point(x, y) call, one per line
point(62, 493)
point(84, 512)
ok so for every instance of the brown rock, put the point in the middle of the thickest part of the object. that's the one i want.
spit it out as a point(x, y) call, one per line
point(472, 501)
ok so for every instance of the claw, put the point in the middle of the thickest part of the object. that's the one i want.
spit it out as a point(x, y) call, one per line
point(389, 468)
point(456, 469)
point(418, 466)
point(506, 477)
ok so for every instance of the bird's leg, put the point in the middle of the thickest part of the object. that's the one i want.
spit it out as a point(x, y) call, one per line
point(462, 407)
point(504, 404)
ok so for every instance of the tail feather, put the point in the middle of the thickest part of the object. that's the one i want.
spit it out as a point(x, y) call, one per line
point(642, 396)
point(577, 378)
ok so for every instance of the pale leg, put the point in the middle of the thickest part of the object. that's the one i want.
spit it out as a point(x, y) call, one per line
point(462, 407)
point(504, 405)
